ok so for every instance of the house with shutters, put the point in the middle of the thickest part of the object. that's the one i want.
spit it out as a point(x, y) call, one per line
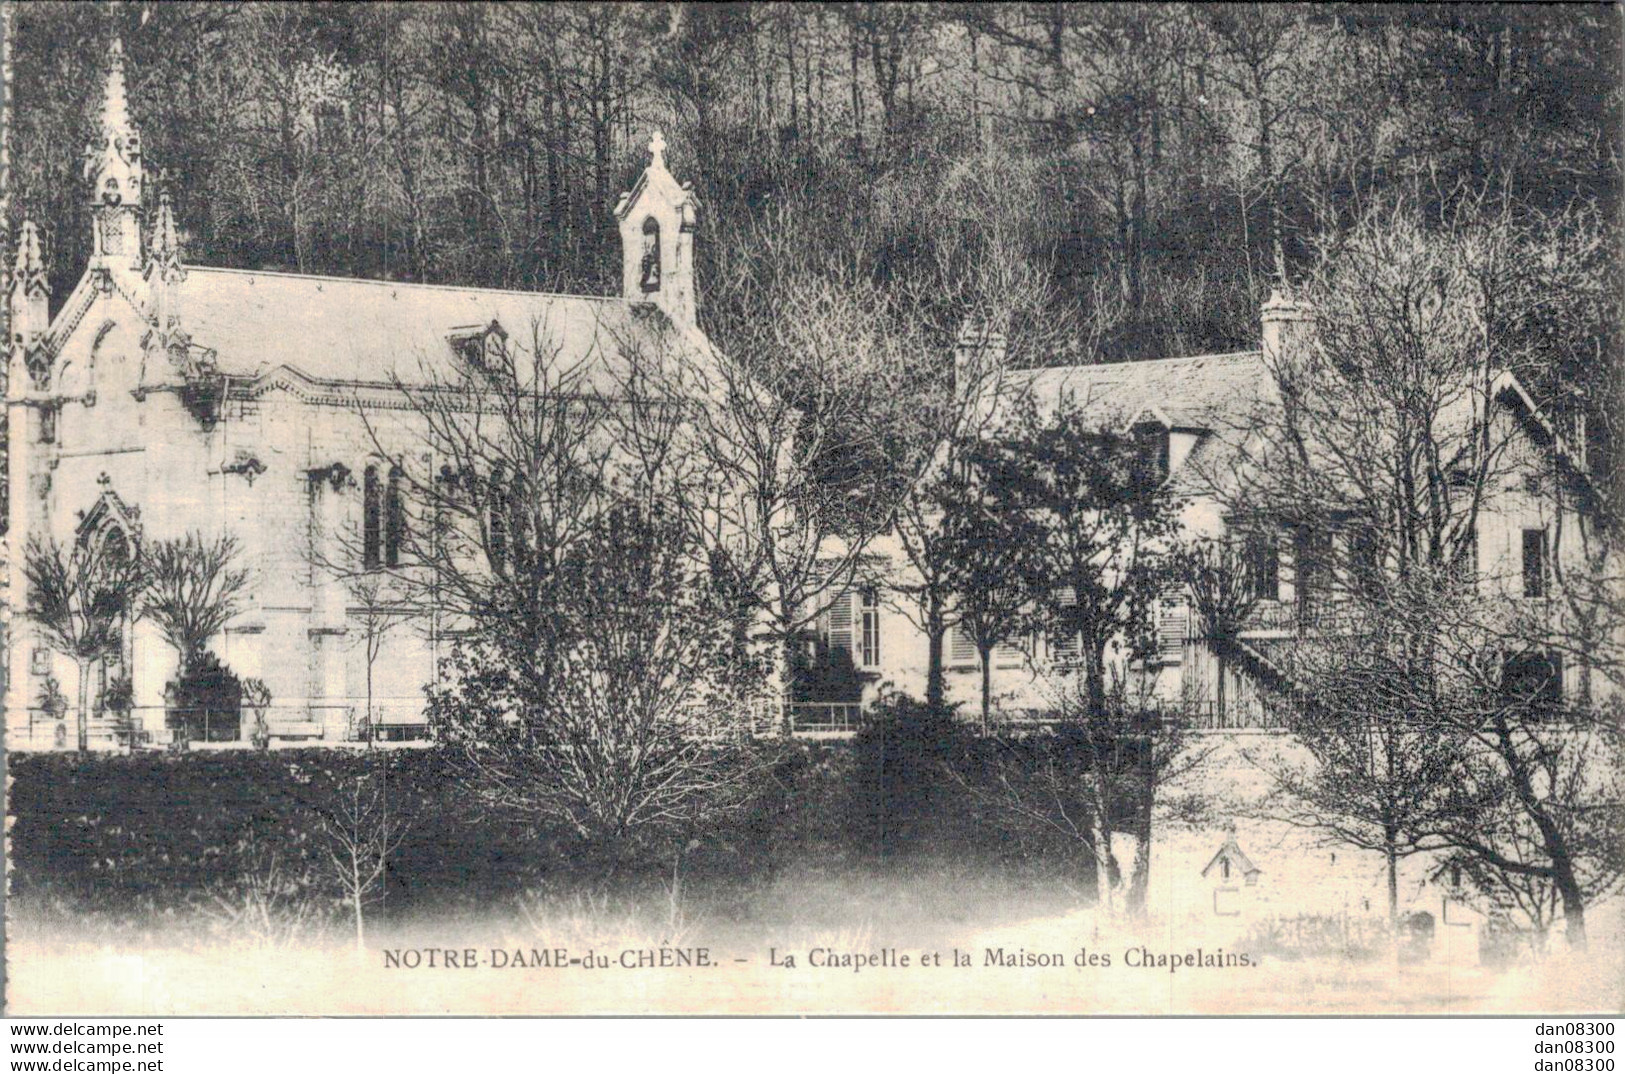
point(1195, 420)
point(161, 398)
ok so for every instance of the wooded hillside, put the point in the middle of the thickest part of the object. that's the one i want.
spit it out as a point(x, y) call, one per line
point(1162, 164)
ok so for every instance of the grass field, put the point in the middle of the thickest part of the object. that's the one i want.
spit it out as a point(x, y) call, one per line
point(157, 885)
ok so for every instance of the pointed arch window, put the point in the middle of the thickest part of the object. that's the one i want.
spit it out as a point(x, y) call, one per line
point(394, 518)
point(649, 272)
point(370, 519)
point(519, 533)
point(498, 509)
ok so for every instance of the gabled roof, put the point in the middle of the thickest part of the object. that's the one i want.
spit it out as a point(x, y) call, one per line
point(1202, 392)
point(1215, 396)
point(1230, 849)
point(352, 331)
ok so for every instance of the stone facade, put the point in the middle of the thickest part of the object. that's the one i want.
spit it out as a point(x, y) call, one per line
point(162, 399)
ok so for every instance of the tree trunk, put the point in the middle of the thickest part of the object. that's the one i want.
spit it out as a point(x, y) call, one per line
point(987, 688)
point(1101, 843)
point(935, 632)
point(1266, 165)
point(360, 920)
point(787, 688)
point(84, 705)
point(1392, 855)
point(1574, 917)
point(1140, 874)
point(1095, 683)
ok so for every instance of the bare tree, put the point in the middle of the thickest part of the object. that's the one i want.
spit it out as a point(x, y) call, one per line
point(378, 614)
point(377, 606)
point(1258, 49)
point(799, 425)
point(82, 599)
point(1093, 771)
point(1537, 799)
point(1378, 754)
point(594, 677)
point(1400, 421)
point(193, 589)
point(520, 453)
point(361, 828)
point(638, 733)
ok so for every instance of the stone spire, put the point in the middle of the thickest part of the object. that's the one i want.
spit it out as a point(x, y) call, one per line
point(164, 272)
point(30, 294)
point(29, 270)
point(115, 99)
point(166, 243)
point(113, 172)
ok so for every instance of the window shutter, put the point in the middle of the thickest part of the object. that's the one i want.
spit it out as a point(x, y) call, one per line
point(370, 519)
point(1009, 654)
point(961, 649)
point(1063, 646)
point(840, 624)
point(1534, 563)
point(1173, 627)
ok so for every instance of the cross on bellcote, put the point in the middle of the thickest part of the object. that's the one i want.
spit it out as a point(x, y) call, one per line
point(657, 148)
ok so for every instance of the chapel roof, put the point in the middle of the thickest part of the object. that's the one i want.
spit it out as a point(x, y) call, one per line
point(357, 331)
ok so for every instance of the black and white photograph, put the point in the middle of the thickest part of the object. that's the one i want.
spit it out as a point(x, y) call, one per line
point(813, 509)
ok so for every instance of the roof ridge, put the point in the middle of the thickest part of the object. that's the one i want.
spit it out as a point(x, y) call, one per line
point(397, 283)
point(1139, 361)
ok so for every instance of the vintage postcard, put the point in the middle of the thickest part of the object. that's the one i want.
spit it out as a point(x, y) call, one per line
point(812, 509)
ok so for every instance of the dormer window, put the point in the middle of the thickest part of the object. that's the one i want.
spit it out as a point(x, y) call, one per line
point(649, 270)
point(482, 347)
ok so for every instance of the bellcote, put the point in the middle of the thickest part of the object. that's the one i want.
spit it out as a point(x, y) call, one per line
point(113, 172)
point(658, 218)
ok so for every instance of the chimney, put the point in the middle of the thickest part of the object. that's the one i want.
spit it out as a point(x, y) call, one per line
point(979, 350)
point(1283, 321)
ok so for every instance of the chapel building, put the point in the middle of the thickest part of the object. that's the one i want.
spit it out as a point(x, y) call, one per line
point(162, 398)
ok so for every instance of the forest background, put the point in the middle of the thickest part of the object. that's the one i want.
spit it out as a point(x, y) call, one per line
point(1164, 165)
